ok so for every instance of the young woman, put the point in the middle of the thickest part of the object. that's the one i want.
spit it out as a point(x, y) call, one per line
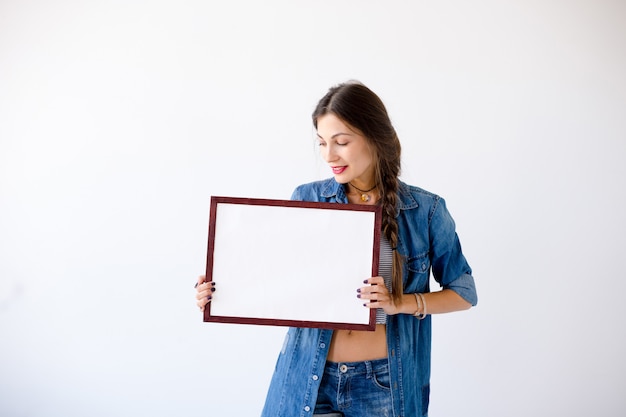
point(385, 372)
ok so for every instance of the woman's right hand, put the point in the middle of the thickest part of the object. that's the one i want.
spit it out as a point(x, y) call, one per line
point(204, 292)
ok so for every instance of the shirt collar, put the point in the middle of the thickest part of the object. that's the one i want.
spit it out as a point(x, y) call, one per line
point(406, 201)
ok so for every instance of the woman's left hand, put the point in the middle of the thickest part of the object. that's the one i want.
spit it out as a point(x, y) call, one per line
point(378, 296)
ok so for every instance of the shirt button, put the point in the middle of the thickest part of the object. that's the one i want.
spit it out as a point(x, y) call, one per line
point(322, 345)
point(315, 377)
point(343, 369)
point(307, 408)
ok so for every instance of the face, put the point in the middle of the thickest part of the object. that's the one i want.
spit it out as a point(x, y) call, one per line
point(346, 151)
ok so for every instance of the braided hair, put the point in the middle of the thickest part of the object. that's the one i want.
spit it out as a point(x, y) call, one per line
point(361, 108)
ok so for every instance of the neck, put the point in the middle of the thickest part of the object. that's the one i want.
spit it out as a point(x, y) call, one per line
point(362, 188)
point(364, 194)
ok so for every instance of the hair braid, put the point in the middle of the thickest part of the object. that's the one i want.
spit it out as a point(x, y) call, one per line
point(387, 174)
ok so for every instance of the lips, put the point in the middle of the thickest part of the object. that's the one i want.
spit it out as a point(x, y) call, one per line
point(338, 170)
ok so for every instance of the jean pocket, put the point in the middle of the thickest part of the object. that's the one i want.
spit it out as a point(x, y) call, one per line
point(419, 264)
point(381, 378)
point(419, 270)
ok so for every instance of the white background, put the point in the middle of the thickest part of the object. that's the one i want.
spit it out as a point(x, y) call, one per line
point(119, 120)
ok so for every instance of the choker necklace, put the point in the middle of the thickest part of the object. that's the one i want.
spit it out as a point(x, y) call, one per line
point(364, 196)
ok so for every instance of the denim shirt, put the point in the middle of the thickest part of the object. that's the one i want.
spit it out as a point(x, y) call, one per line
point(427, 241)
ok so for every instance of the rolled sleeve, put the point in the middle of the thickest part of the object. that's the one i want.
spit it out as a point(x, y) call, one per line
point(450, 268)
point(465, 287)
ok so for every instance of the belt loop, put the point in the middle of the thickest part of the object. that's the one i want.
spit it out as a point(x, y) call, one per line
point(369, 370)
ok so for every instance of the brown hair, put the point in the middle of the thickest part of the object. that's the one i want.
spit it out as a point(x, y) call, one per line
point(361, 108)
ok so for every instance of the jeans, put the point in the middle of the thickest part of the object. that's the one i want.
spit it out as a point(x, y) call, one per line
point(356, 389)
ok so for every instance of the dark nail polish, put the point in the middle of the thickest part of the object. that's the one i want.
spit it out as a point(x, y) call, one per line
point(212, 289)
point(212, 282)
point(364, 281)
point(358, 296)
point(358, 290)
point(196, 286)
point(209, 297)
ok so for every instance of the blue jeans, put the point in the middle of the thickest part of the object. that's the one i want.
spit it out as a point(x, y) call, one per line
point(356, 389)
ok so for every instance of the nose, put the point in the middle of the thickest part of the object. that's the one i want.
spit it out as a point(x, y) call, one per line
point(329, 153)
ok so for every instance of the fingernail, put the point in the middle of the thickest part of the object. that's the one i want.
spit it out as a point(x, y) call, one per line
point(365, 281)
point(209, 297)
point(358, 290)
point(196, 286)
point(358, 296)
point(364, 305)
point(212, 282)
point(212, 289)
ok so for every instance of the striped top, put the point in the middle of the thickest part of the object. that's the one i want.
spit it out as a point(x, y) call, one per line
point(384, 270)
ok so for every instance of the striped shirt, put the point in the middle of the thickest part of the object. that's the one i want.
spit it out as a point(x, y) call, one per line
point(384, 270)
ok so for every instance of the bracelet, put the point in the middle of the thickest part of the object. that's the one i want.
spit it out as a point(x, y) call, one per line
point(420, 302)
point(423, 297)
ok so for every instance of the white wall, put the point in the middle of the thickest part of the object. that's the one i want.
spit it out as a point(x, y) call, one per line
point(118, 121)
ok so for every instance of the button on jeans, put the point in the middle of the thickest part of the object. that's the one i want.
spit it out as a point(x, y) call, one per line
point(356, 389)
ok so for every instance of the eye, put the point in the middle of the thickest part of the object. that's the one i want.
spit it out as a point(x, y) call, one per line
point(342, 143)
point(321, 143)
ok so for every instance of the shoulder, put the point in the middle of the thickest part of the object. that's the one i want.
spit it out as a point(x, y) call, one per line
point(322, 190)
point(411, 196)
point(426, 205)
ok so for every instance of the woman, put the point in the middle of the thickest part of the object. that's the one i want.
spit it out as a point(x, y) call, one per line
point(385, 372)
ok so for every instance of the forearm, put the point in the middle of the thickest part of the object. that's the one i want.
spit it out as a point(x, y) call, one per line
point(444, 301)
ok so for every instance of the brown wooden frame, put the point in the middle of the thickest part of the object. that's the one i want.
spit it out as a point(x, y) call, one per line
point(286, 321)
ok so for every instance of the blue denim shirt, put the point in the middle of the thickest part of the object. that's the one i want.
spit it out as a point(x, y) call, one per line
point(427, 241)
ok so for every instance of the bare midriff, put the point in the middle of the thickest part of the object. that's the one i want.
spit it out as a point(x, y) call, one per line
point(356, 346)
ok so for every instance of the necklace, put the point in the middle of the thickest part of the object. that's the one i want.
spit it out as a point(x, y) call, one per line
point(364, 196)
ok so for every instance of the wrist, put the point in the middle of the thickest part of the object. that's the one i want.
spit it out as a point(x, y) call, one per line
point(406, 305)
point(409, 304)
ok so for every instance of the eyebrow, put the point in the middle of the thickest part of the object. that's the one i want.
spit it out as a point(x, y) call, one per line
point(336, 134)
